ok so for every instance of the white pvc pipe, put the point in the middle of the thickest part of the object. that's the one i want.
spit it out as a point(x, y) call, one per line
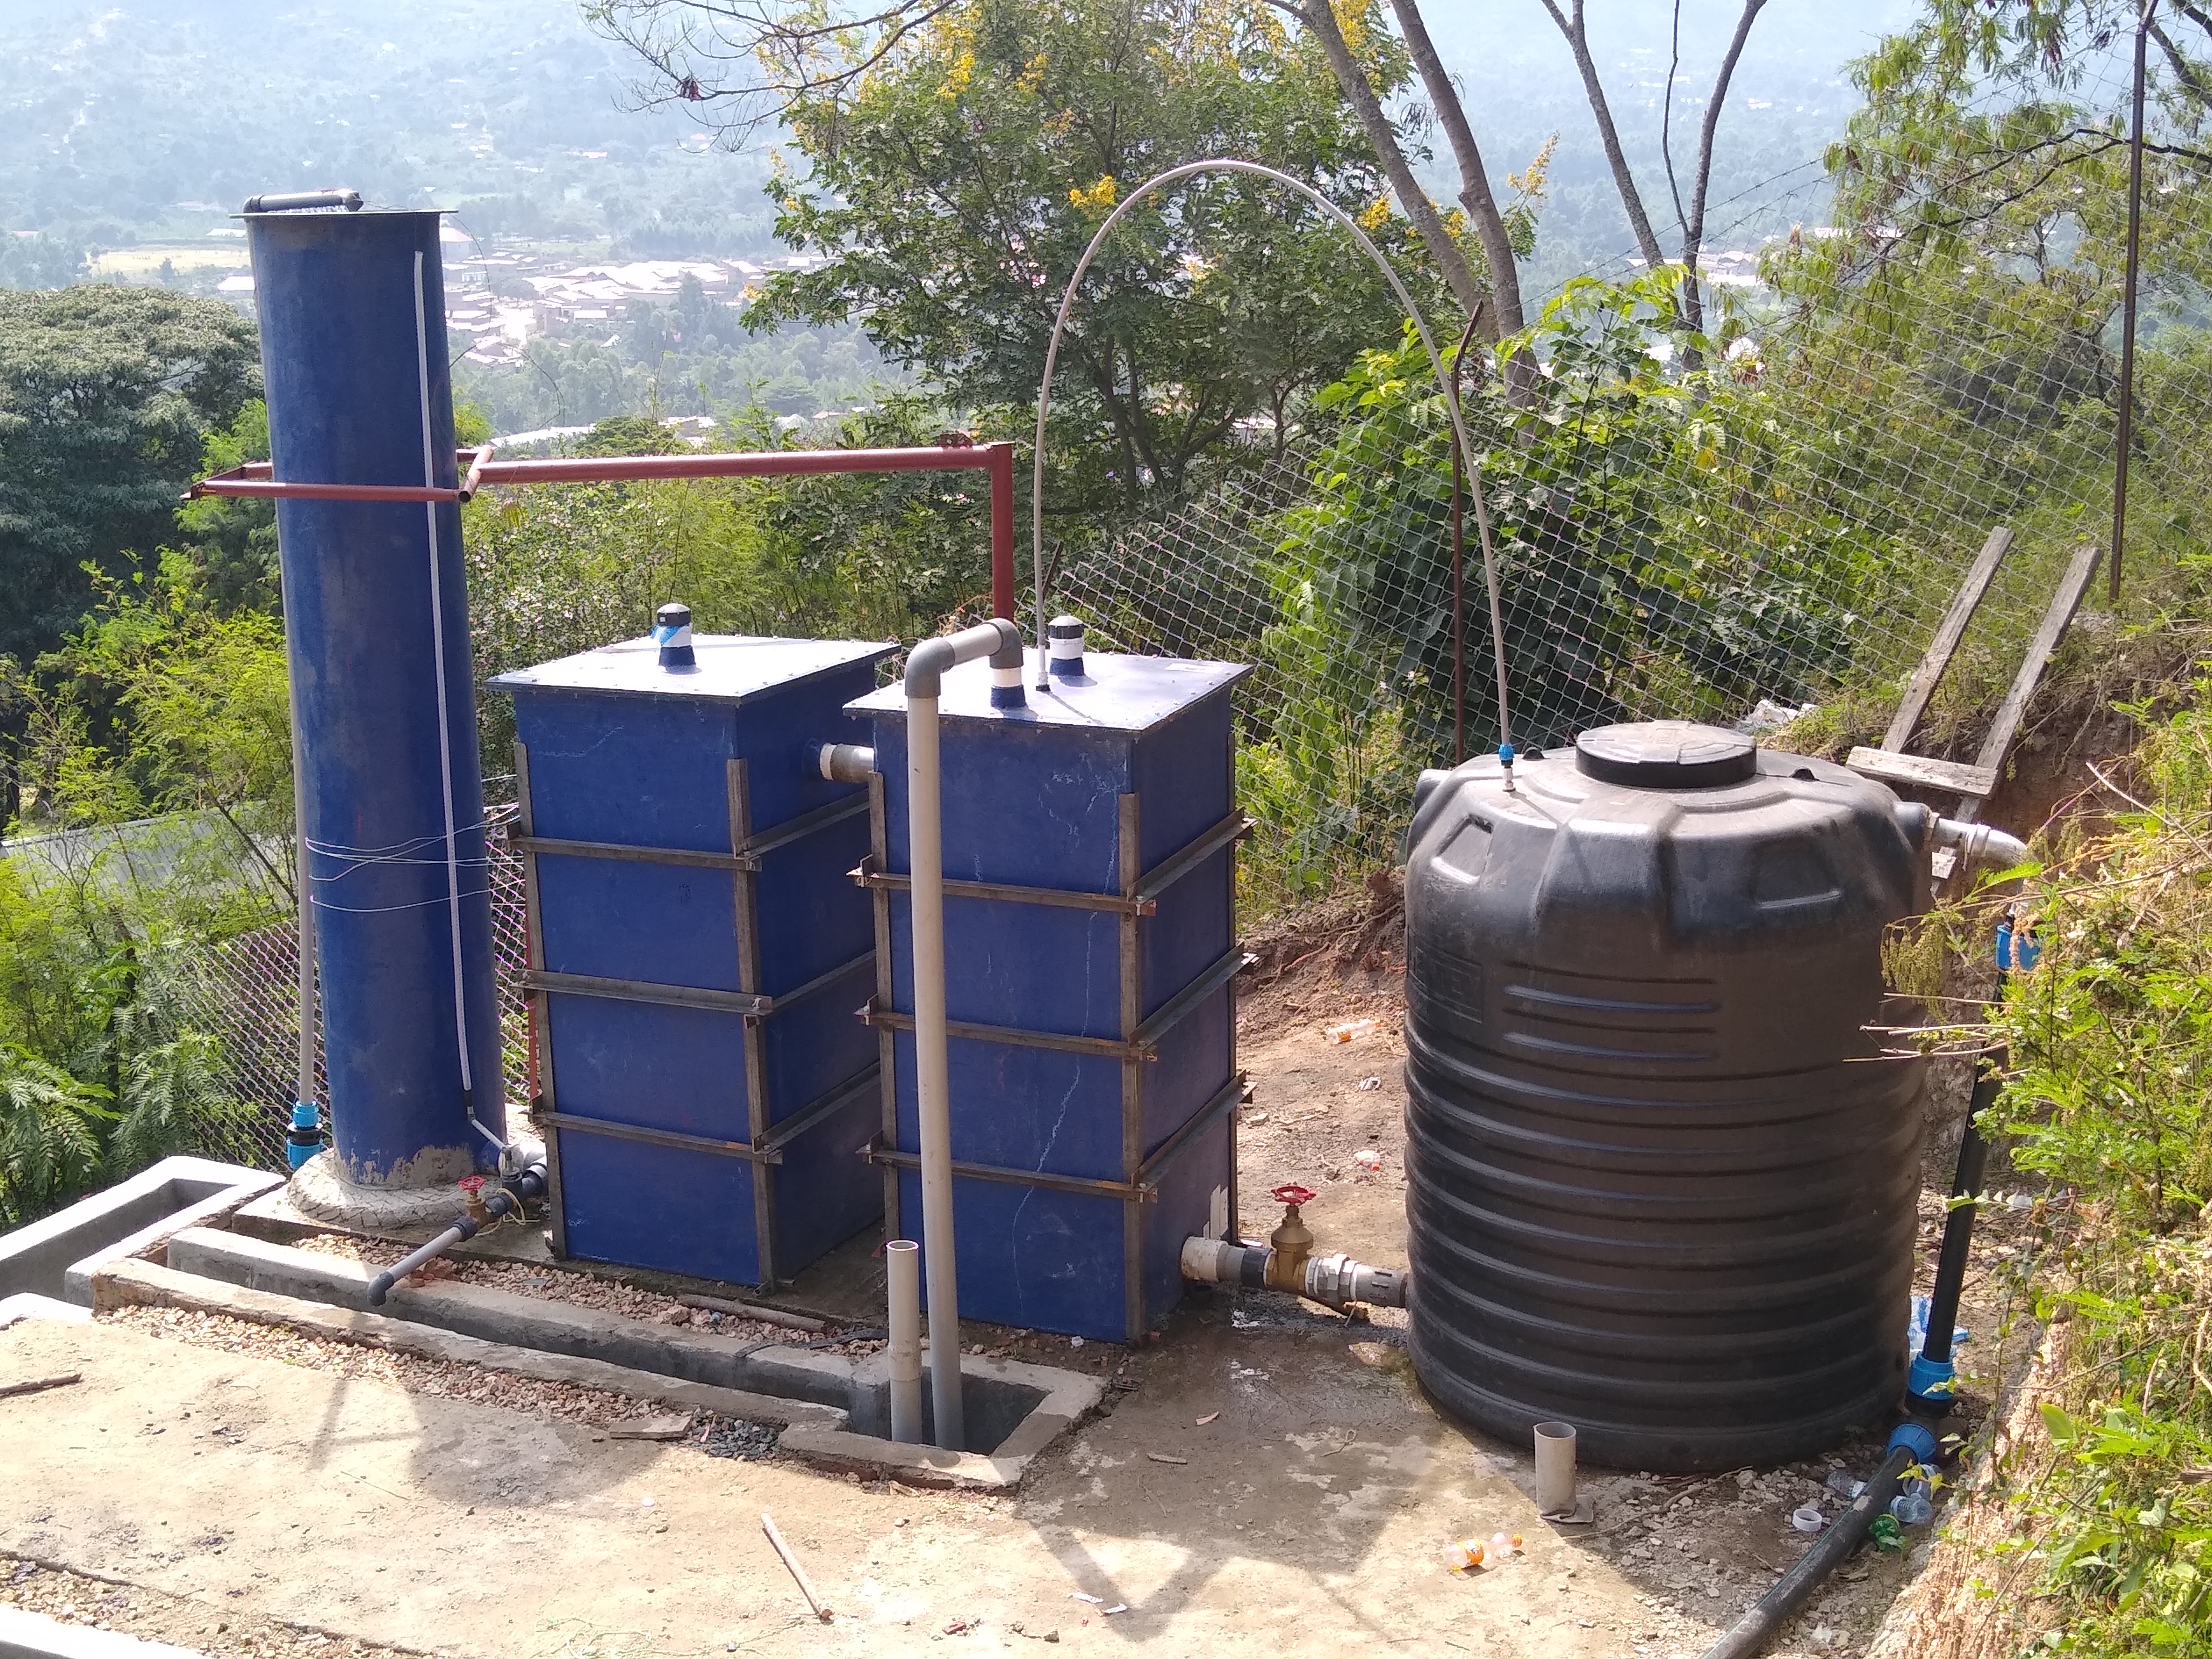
point(1555, 1469)
point(933, 1083)
point(902, 1266)
point(926, 667)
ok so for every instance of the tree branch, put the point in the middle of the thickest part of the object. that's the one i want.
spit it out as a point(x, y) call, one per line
point(2183, 70)
point(1577, 38)
point(1476, 194)
point(1383, 138)
point(1693, 227)
point(1667, 118)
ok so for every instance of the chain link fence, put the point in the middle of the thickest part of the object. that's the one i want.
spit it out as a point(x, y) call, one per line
point(243, 992)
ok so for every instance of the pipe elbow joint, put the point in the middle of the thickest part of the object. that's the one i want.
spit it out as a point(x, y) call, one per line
point(1979, 845)
point(380, 1288)
point(926, 665)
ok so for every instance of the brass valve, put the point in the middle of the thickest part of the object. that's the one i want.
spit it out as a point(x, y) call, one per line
point(1292, 1241)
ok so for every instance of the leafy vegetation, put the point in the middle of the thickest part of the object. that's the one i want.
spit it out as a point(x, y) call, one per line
point(2110, 1037)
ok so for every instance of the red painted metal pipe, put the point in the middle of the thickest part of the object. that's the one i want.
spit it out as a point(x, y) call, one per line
point(996, 459)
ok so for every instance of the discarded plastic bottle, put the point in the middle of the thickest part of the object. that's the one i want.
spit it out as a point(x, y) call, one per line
point(1912, 1510)
point(1503, 1545)
point(1839, 1482)
point(1463, 1556)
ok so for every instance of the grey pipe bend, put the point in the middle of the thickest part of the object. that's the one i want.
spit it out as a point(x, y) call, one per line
point(928, 662)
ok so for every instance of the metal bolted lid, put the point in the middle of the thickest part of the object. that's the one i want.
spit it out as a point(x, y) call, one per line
point(1665, 755)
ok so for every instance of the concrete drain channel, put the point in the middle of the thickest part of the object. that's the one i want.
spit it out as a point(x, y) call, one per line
point(833, 1410)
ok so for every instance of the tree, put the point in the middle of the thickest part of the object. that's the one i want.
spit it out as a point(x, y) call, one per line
point(105, 396)
point(962, 155)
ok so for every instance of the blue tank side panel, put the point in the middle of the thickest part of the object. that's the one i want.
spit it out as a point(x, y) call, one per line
point(336, 297)
point(826, 1190)
point(1035, 806)
point(659, 1206)
point(1032, 1258)
point(642, 1063)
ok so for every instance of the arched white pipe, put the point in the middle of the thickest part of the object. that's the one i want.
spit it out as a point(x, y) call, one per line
point(1175, 175)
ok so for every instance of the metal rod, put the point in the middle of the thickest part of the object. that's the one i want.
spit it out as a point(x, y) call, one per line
point(902, 1270)
point(256, 478)
point(2127, 400)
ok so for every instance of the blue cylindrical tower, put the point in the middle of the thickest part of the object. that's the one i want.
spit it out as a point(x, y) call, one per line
point(353, 354)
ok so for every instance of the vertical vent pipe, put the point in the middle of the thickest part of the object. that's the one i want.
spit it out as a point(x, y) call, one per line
point(902, 1270)
point(926, 668)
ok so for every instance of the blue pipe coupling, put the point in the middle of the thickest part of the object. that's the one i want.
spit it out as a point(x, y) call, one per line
point(304, 1138)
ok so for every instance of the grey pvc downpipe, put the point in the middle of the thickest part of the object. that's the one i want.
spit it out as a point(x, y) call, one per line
point(926, 665)
point(902, 1271)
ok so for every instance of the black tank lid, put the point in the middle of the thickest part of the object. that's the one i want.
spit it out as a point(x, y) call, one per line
point(1665, 755)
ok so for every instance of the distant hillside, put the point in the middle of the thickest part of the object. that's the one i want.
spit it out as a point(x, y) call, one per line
point(152, 120)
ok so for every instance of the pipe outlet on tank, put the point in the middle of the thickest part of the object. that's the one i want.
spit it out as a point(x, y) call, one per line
point(844, 763)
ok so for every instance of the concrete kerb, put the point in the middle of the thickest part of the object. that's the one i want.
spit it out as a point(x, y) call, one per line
point(33, 1636)
point(814, 1394)
point(46, 1257)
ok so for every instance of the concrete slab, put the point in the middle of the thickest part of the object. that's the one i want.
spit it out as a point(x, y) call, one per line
point(129, 1217)
point(1014, 1409)
point(1303, 1523)
point(34, 1636)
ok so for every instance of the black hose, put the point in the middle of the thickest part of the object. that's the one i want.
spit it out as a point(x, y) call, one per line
point(1958, 1225)
point(502, 1200)
point(1751, 1634)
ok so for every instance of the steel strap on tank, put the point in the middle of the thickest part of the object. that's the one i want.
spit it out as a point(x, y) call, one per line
point(1142, 1189)
point(751, 1004)
point(1144, 1045)
point(747, 857)
point(769, 1149)
point(1144, 901)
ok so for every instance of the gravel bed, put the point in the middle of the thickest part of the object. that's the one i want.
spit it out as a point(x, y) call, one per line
point(452, 1380)
point(155, 1616)
point(734, 1437)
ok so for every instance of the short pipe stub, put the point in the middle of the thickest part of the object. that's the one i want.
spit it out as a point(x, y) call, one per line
point(1063, 638)
point(672, 632)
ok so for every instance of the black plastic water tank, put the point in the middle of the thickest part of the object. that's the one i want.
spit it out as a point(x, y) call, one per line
point(1660, 1178)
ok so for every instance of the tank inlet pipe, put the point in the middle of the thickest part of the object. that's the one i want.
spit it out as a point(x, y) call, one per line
point(1909, 1444)
point(926, 668)
point(1224, 164)
point(903, 1269)
point(504, 1199)
point(445, 729)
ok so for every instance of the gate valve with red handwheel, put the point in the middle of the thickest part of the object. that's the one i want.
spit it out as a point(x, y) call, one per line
point(1292, 1242)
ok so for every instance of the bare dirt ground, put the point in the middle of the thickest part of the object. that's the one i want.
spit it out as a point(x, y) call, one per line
point(1266, 1478)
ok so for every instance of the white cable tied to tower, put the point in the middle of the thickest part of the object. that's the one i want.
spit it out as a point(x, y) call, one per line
point(1191, 169)
point(445, 733)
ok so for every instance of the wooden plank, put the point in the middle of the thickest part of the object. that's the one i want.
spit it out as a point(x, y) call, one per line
point(2064, 604)
point(1918, 772)
point(1941, 649)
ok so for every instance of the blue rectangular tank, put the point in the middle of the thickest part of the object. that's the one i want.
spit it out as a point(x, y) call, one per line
point(697, 952)
point(1089, 944)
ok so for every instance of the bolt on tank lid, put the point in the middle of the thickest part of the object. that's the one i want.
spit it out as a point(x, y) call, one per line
point(1665, 755)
